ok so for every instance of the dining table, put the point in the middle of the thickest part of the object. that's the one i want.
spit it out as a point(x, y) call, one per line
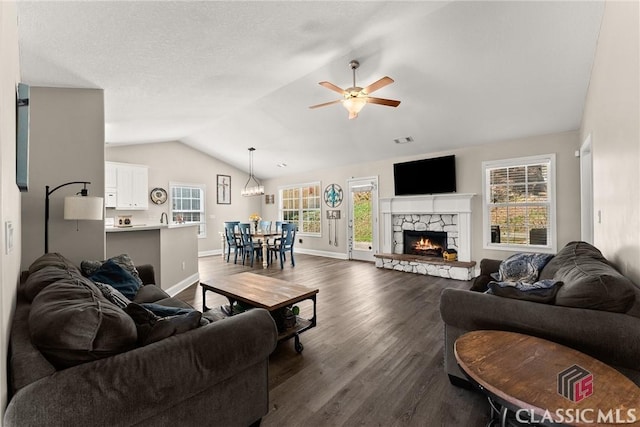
point(263, 238)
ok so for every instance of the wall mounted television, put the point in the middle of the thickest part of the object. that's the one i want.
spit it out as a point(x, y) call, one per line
point(427, 176)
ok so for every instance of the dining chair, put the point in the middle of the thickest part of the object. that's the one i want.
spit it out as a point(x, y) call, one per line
point(249, 247)
point(233, 242)
point(284, 244)
point(276, 240)
point(264, 226)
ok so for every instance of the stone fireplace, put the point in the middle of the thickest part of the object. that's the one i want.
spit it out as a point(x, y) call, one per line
point(445, 218)
point(438, 212)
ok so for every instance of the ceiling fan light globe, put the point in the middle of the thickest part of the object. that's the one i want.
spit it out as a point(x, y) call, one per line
point(354, 106)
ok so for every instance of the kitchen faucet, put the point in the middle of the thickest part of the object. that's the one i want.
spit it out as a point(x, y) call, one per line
point(164, 215)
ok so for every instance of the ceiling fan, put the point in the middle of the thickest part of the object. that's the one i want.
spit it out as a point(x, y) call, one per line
point(356, 97)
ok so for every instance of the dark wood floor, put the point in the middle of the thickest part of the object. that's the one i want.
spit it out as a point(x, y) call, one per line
point(375, 358)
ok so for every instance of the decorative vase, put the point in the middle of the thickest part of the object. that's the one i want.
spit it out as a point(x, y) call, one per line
point(255, 226)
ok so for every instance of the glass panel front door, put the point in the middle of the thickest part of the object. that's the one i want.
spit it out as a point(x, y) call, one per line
point(363, 202)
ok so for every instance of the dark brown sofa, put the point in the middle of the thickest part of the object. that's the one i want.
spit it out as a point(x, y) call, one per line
point(215, 374)
point(596, 311)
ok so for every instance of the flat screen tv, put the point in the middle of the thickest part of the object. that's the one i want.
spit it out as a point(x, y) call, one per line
point(427, 176)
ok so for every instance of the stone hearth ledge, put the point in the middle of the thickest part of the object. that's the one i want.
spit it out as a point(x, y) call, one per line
point(430, 266)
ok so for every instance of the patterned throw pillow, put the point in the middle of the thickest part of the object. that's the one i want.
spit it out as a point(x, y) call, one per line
point(89, 267)
point(522, 267)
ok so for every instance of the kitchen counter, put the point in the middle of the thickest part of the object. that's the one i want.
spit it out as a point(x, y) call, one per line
point(172, 249)
point(139, 227)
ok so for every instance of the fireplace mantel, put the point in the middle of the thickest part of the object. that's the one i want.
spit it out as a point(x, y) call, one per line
point(451, 203)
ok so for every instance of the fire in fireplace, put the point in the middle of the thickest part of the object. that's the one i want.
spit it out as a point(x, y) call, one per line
point(424, 243)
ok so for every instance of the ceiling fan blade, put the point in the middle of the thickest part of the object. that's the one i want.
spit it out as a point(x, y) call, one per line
point(332, 87)
point(377, 85)
point(326, 103)
point(382, 101)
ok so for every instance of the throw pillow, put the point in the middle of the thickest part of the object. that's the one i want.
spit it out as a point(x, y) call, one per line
point(544, 291)
point(43, 277)
point(152, 328)
point(89, 267)
point(568, 255)
point(53, 259)
point(590, 280)
point(116, 276)
point(71, 323)
point(522, 267)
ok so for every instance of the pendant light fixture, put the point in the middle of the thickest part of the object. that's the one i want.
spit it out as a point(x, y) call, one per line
point(256, 190)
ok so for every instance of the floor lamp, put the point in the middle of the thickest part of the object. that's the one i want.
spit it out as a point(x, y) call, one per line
point(75, 207)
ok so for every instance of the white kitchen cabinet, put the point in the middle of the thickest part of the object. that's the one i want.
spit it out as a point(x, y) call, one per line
point(131, 187)
point(110, 185)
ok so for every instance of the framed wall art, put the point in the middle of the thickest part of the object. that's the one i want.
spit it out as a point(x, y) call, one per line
point(223, 189)
point(333, 195)
point(22, 137)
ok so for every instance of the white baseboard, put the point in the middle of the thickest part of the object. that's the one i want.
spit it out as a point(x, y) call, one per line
point(209, 253)
point(337, 255)
point(182, 285)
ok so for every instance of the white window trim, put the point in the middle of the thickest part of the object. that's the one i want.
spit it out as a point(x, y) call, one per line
point(552, 246)
point(306, 184)
point(203, 188)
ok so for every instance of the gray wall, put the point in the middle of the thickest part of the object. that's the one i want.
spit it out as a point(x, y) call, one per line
point(9, 195)
point(469, 180)
point(611, 118)
point(174, 161)
point(66, 144)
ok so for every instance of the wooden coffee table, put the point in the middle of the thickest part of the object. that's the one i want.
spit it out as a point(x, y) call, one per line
point(532, 377)
point(266, 292)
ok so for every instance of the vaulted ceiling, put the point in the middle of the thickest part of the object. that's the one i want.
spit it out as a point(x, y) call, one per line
point(222, 76)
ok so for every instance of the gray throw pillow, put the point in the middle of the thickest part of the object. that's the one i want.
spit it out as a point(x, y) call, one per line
point(71, 322)
point(590, 280)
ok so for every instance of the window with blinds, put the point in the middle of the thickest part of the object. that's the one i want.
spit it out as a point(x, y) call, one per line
point(300, 204)
point(519, 204)
point(188, 206)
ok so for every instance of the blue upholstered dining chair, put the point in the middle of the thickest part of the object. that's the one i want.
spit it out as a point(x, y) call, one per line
point(233, 242)
point(249, 247)
point(284, 244)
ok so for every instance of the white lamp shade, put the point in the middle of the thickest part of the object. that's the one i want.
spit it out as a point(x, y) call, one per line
point(83, 207)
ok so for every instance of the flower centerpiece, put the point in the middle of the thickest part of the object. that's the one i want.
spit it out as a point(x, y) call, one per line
point(255, 218)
